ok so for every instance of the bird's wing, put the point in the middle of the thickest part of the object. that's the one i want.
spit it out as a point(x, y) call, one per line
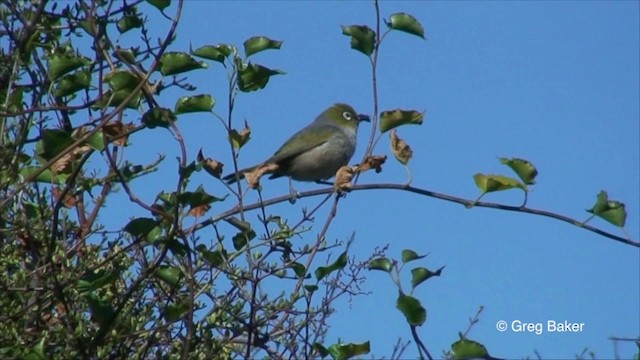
point(303, 141)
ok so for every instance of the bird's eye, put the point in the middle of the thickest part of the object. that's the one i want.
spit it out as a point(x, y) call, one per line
point(347, 115)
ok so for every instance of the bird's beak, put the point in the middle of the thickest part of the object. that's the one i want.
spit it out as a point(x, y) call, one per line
point(363, 117)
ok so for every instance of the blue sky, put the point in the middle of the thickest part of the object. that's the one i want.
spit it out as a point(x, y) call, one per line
point(556, 83)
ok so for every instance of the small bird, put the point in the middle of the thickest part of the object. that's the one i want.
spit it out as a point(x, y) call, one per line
point(316, 152)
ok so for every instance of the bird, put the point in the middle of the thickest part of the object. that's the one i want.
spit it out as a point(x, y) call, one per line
point(316, 152)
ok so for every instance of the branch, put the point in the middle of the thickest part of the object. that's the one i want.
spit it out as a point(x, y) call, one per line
point(424, 192)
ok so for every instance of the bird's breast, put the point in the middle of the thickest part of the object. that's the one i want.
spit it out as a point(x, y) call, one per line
point(323, 161)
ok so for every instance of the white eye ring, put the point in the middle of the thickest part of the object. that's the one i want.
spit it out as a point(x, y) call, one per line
point(346, 115)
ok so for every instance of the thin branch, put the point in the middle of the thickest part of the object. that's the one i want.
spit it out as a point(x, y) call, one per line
point(474, 320)
point(421, 348)
point(424, 192)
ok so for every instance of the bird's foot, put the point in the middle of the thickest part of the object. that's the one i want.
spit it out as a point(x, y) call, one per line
point(293, 197)
point(293, 194)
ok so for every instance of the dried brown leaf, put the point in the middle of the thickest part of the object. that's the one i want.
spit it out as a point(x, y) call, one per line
point(69, 200)
point(253, 176)
point(372, 162)
point(200, 210)
point(343, 178)
point(115, 132)
point(213, 167)
point(401, 150)
point(238, 139)
point(28, 241)
point(62, 165)
point(246, 132)
point(80, 150)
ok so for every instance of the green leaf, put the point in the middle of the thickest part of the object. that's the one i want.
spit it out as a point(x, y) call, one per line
point(245, 235)
point(321, 350)
point(363, 38)
point(380, 263)
point(144, 228)
point(213, 258)
point(101, 310)
point(60, 64)
point(89, 26)
point(412, 310)
point(394, 118)
point(468, 349)
point(52, 142)
point(421, 274)
point(122, 80)
point(47, 176)
point(299, 269)
point(410, 255)
point(96, 141)
point(37, 351)
point(158, 117)
point(178, 248)
point(15, 100)
point(160, 4)
point(311, 288)
point(407, 23)
point(610, 210)
point(72, 83)
point(239, 224)
point(172, 63)
point(130, 20)
point(92, 281)
point(347, 351)
point(188, 170)
point(260, 43)
point(214, 52)
point(241, 239)
point(173, 312)
point(127, 55)
point(198, 103)
point(339, 264)
point(525, 169)
point(169, 274)
point(254, 77)
point(116, 98)
point(490, 183)
point(197, 198)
